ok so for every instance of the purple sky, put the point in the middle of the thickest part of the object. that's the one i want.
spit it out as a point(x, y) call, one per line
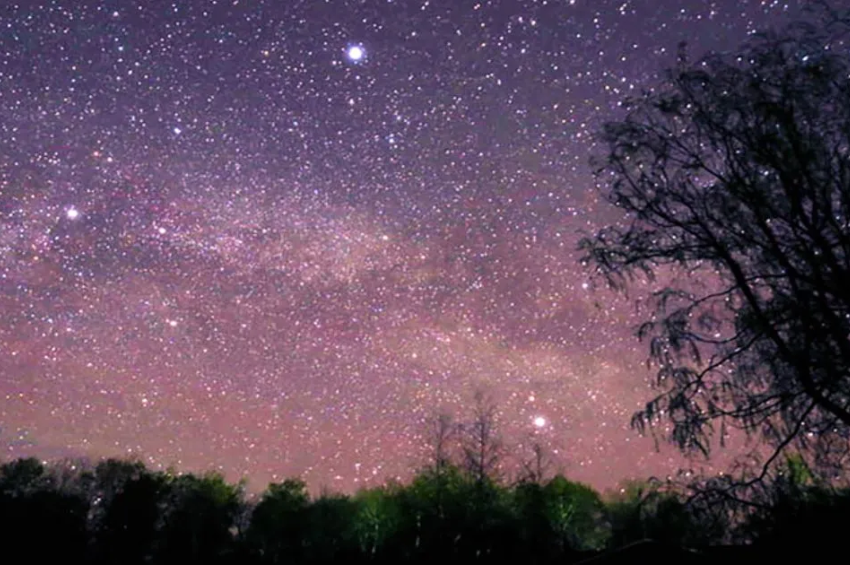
point(272, 237)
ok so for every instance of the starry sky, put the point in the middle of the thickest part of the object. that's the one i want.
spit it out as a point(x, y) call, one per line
point(273, 237)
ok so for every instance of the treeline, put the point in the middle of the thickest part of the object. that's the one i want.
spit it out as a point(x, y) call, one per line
point(118, 511)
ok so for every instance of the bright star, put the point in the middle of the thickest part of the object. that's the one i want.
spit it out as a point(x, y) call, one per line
point(356, 53)
point(72, 213)
point(539, 422)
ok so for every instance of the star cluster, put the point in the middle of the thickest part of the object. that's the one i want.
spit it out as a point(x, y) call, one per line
point(274, 237)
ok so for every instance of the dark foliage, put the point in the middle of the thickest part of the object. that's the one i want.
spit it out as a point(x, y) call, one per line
point(48, 525)
point(121, 512)
point(735, 178)
point(130, 518)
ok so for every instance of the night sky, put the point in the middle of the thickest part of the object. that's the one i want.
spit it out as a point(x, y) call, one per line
point(273, 237)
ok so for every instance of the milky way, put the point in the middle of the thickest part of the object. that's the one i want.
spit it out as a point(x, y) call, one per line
point(273, 237)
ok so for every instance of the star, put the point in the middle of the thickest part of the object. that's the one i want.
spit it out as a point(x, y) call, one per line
point(356, 53)
point(539, 422)
point(72, 213)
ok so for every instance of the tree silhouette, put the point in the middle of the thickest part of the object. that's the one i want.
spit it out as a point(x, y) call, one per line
point(377, 520)
point(134, 516)
point(441, 434)
point(23, 477)
point(643, 510)
point(558, 519)
point(575, 511)
point(535, 465)
point(332, 537)
point(129, 501)
point(278, 525)
point(734, 176)
point(797, 505)
point(37, 519)
point(199, 517)
point(480, 441)
point(433, 511)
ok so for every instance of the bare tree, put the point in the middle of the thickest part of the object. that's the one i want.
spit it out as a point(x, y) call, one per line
point(480, 441)
point(441, 432)
point(736, 172)
point(536, 465)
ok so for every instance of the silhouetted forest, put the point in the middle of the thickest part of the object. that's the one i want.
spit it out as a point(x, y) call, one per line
point(118, 511)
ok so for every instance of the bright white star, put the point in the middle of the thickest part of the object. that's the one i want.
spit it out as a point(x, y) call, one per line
point(539, 422)
point(356, 53)
point(72, 213)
